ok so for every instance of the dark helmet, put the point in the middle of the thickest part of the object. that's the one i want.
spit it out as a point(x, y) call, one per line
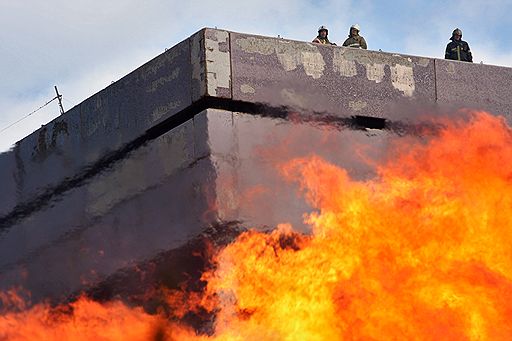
point(323, 28)
point(457, 31)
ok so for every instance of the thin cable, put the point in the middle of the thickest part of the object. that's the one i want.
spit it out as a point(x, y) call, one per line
point(29, 114)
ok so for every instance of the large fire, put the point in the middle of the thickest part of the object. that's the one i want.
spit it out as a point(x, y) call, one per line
point(422, 251)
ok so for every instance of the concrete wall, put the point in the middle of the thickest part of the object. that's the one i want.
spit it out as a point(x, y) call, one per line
point(154, 199)
point(85, 138)
point(193, 138)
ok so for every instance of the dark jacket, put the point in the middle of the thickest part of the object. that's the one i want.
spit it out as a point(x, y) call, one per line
point(458, 50)
point(356, 41)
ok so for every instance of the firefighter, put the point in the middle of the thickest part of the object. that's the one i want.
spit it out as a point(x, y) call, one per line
point(354, 39)
point(458, 49)
point(322, 36)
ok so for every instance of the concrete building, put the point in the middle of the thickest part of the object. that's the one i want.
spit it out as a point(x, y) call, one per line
point(186, 147)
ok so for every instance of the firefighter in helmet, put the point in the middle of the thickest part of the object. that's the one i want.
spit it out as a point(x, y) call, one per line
point(322, 36)
point(458, 49)
point(354, 39)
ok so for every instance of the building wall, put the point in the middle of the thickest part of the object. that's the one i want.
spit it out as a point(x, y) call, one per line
point(194, 138)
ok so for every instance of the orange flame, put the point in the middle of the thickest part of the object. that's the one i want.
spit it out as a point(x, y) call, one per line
point(423, 251)
point(84, 320)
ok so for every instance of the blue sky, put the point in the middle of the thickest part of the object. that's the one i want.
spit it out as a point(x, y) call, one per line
point(82, 46)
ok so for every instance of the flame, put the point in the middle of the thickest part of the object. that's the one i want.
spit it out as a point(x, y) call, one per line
point(85, 319)
point(422, 251)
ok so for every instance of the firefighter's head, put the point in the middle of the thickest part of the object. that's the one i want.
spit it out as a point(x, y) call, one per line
point(323, 32)
point(457, 34)
point(354, 30)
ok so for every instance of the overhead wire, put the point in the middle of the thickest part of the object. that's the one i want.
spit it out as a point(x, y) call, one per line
point(28, 115)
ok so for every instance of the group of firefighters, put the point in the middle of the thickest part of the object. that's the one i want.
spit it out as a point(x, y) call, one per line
point(457, 49)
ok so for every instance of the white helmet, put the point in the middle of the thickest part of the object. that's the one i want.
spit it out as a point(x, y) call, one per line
point(356, 26)
point(322, 28)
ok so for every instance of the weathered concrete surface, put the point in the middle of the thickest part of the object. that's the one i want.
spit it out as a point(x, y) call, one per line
point(10, 173)
point(141, 167)
point(102, 124)
point(211, 64)
point(327, 79)
point(109, 120)
point(475, 86)
point(154, 199)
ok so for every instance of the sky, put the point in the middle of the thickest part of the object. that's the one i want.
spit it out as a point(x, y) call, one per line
point(83, 46)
